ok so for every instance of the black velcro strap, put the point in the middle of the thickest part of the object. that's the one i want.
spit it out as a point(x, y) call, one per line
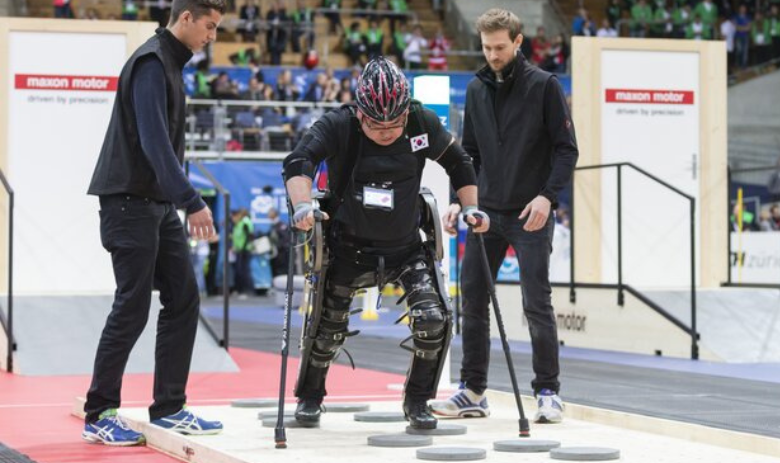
point(336, 337)
point(424, 354)
point(320, 364)
point(336, 316)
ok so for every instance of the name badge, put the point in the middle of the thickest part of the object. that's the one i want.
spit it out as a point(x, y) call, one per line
point(377, 198)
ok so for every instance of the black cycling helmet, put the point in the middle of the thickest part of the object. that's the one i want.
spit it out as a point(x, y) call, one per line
point(382, 91)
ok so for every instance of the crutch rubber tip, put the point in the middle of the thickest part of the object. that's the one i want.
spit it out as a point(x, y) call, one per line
point(280, 438)
point(525, 430)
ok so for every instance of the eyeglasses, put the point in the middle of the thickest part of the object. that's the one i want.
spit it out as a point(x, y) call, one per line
point(373, 125)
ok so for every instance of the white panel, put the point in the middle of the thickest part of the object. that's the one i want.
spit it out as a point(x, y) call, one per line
point(661, 138)
point(432, 89)
point(55, 138)
point(755, 257)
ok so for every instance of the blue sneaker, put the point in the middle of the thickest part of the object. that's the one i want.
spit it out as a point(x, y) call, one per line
point(464, 404)
point(550, 407)
point(184, 422)
point(111, 429)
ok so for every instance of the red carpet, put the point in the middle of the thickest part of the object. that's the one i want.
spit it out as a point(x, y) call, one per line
point(35, 411)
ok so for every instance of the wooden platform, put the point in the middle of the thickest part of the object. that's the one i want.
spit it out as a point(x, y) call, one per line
point(340, 439)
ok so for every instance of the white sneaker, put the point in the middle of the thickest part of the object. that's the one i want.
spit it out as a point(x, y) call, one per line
point(550, 407)
point(463, 404)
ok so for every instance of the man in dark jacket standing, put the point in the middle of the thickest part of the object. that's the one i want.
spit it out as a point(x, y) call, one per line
point(140, 183)
point(519, 132)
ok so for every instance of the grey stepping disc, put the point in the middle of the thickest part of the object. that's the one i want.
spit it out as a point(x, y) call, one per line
point(380, 417)
point(451, 454)
point(289, 422)
point(584, 453)
point(254, 403)
point(399, 440)
point(525, 445)
point(346, 408)
point(442, 429)
point(274, 414)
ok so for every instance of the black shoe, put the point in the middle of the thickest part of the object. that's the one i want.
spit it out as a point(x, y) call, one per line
point(308, 411)
point(419, 415)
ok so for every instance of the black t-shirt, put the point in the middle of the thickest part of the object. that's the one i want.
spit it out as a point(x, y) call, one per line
point(397, 167)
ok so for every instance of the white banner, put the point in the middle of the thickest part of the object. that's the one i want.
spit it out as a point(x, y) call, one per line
point(650, 118)
point(61, 90)
point(755, 257)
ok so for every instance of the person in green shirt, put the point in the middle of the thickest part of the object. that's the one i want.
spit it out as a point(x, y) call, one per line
point(374, 39)
point(708, 13)
point(242, 237)
point(355, 45)
point(761, 39)
point(662, 22)
point(681, 16)
point(614, 12)
point(642, 16)
point(774, 30)
point(749, 222)
point(398, 45)
point(303, 25)
point(129, 11)
point(334, 16)
point(697, 30)
point(242, 57)
point(400, 8)
point(202, 80)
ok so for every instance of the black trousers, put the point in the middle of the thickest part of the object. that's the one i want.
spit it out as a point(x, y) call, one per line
point(244, 282)
point(533, 252)
point(343, 271)
point(148, 250)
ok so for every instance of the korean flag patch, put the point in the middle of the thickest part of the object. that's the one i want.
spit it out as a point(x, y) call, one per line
point(419, 142)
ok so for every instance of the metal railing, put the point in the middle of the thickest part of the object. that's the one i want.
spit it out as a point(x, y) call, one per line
point(206, 139)
point(8, 323)
point(211, 130)
point(225, 243)
point(352, 11)
point(621, 286)
point(363, 12)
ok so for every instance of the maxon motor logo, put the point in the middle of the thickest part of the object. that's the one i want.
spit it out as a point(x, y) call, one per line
point(58, 82)
point(679, 97)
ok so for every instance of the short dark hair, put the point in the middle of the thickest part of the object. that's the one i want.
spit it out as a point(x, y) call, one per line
point(198, 8)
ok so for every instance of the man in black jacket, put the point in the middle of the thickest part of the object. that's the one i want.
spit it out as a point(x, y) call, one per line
point(519, 132)
point(140, 183)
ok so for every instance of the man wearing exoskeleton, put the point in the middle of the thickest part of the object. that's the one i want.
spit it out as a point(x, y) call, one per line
point(375, 151)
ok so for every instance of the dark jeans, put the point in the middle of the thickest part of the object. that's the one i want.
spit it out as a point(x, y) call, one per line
point(741, 48)
point(148, 250)
point(533, 251)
